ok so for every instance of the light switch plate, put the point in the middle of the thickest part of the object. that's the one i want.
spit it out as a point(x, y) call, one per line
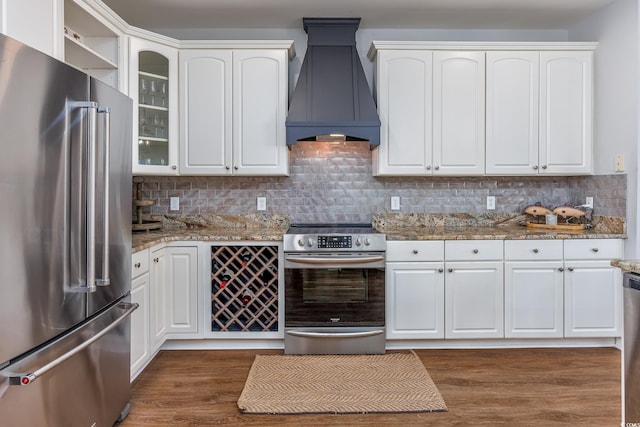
point(619, 163)
point(174, 203)
point(395, 203)
point(262, 203)
point(589, 202)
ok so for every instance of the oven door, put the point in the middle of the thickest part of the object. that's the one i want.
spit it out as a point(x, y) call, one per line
point(334, 289)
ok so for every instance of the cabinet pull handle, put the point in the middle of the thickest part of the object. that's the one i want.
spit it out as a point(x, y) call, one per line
point(544, 166)
point(227, 167)
point(428, 168)
point(440, 270)
point(235, 167)
point(137, 265)
point(594, 250)
point(415, 252)
point(475, 251)
point(570, 268)
point(561, 269)
point(437, 168)
point(450, 270)
point(174, 167)
point(535, 168)
point(535, 251)
point(156, 259)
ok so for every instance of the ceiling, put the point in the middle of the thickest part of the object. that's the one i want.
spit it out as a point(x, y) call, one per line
point(452, 14)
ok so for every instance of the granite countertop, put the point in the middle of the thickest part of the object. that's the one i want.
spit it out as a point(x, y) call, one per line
point(627, 265)
point(144, 240)
point(507, 232)
point(254, 227)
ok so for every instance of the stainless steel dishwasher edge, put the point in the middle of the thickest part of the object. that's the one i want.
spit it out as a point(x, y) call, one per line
point(631, 347)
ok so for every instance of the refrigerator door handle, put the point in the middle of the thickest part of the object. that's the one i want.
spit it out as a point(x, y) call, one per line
point(90, 215)
point(105, 280)
point(23, 379)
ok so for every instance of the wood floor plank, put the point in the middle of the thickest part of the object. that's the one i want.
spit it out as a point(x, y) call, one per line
point(514, 387)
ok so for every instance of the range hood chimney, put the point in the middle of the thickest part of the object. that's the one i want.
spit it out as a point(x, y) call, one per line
point(332, 100)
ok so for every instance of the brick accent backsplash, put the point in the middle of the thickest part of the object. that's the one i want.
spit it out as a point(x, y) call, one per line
point(333, 182)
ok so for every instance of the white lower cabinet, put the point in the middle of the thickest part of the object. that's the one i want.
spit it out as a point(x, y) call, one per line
point(474, 288)
point(158, 299)
point(140, 349)
point(182, 290)
point(592, 288)
point(474, 300)
point(140, 288)
point(503, 289)
point(415, 300)
point(533, 289)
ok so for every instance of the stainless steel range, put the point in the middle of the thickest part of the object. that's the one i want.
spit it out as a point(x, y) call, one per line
point(334, 289)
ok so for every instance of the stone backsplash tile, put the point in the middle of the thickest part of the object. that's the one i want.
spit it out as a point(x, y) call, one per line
point(333, 182)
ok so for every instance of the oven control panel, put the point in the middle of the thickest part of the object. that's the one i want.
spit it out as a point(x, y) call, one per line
point(334, 242)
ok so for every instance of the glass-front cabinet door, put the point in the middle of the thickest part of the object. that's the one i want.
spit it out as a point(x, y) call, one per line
point(153, 82)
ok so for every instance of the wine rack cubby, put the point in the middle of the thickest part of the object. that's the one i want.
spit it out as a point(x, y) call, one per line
point(244, 288)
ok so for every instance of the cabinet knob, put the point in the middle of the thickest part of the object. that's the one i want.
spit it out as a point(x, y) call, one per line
point(227, 167)
point(535, 168)
point(437, 168)
point(535, 251)
point(475, 251)
point(137, 265)
point(561, 269)
point(174, 167)
point(440, 270)
point(450, 270)
point(570, 268)
point(594, 250)
point(156, 259)
point(235, 167)
point(415, 252)
point(428, 168)
point(544, 166)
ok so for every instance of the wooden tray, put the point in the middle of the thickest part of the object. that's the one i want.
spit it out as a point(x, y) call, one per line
point(556, 227)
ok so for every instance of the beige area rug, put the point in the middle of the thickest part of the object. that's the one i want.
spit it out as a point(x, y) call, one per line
point(298, 384)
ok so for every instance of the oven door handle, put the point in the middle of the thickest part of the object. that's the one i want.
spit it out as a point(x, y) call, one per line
point(307, 334)
point(336, 260)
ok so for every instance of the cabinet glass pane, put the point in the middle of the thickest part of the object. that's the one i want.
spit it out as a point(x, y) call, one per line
point(153, 112)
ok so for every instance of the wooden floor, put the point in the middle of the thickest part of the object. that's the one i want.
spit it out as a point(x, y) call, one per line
point(513, 387)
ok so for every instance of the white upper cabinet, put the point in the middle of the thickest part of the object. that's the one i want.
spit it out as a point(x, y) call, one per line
point(206, 121)
point(512, 112)
point(405, 107)
point(36, 23)
point(539, 113)
point(566, 96)
point(483, 108)
point(458, 113)
point(153, 81)
point(233, 105)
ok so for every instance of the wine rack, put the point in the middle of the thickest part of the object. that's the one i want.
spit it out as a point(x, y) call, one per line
point(244, 288)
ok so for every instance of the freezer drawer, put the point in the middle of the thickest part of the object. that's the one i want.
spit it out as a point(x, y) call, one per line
point(79, 380)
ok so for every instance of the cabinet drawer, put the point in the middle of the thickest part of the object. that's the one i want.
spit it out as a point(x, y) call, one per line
point(593, 249)
point(527, 250)
point(473, 250)
point(413, 250)
point(139, 263)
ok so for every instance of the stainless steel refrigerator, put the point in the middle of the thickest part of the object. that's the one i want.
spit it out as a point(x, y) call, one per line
point(65, 244)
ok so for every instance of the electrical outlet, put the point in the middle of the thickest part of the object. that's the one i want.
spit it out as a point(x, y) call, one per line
point(262, 203)
point(395, 203)
point(619, 165)
point(491, 202)
point(589, 202)
point(174, 203)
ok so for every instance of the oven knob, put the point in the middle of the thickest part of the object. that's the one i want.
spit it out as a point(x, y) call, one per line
point(301, 242)
point(309, 242)
point(367, 242)
point(358, 242)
